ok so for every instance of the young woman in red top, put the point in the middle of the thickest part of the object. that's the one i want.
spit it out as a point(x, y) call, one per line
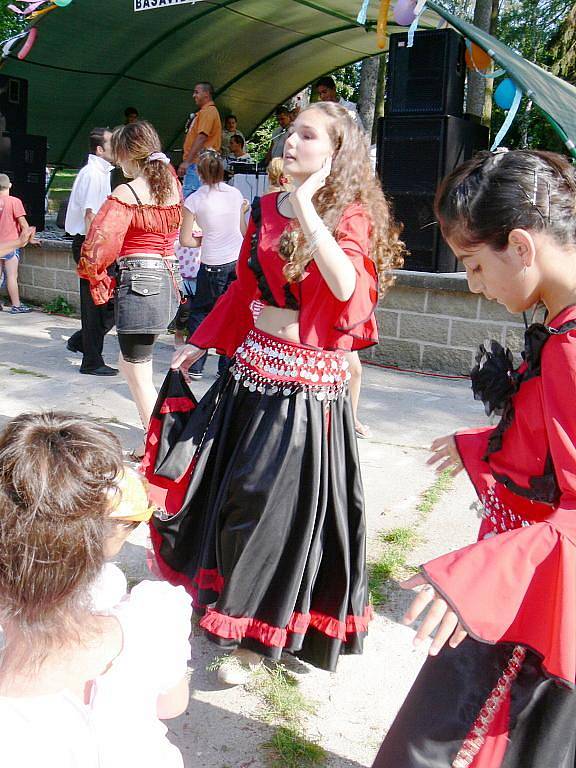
point(498, 688)
point(136, 229)
point(264, 518)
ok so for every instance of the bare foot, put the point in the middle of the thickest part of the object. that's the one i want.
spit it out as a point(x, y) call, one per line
point(362, 430)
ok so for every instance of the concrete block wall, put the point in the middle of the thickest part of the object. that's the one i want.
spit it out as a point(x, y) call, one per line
point(47, 272)
point(432, 322)
point(426, 321)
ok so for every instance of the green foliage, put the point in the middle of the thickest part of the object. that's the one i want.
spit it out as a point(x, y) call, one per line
point(397, 543)
point(288, 748)
point(58, 306)
point(391, 565)
point(26, 372)
point(282, 700)
point(260, 141)
point(10, 23)
point(530, 28)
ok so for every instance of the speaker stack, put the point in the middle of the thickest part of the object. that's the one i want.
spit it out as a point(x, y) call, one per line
point(22, 156)
point(424, 136)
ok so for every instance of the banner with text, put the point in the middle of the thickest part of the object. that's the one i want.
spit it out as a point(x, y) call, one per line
point(148, 5)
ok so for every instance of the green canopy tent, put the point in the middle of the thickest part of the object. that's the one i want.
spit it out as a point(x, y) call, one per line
point(554, 97)
point(94, 58)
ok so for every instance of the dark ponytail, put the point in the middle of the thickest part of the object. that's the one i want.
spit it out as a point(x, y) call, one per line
point(484, 199)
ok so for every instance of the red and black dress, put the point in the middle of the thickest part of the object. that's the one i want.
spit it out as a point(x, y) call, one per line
point(260, 482)
point(505, 697)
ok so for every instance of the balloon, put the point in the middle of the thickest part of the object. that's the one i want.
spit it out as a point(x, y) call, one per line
point(29, 44)
point(476, 58)
point(404, 12)
point(62, 3)
point(504, 94)
point(382, 24)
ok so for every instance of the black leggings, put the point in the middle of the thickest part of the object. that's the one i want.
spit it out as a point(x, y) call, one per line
point(137, 347)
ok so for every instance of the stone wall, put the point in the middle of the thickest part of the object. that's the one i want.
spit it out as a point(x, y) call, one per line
point(48, 272)
point(426, 321)
point(432, 322)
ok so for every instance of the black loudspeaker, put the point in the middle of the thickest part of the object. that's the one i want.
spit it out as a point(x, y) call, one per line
point(13, 104)
point(413, 156)
point(428, 78)
point(23, 158)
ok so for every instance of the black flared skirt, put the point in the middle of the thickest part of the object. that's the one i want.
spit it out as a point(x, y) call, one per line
point(478, 706)
point(265, 517)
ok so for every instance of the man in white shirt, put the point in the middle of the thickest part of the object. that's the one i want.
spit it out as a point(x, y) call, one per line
point(325, 89)
point(90, 190)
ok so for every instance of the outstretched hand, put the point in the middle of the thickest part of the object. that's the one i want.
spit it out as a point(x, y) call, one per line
point(439, 616)
point(445, 455)
point(184, 357)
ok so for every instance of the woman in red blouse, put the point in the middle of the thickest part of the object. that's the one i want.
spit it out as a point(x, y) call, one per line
point(498, 688)
point(261, 486)
point(135, 230)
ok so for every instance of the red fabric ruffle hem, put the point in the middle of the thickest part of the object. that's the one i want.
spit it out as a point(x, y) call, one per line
point(532, 571)
point(236, 628)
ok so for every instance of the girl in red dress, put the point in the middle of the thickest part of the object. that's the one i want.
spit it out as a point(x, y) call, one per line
point(497, 690)
point(264, 518)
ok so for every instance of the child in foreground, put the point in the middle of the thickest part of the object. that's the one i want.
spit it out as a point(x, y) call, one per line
point(497, 688)
point(84, 679)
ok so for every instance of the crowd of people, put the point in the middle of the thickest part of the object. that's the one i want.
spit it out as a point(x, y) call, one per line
point(254, 496)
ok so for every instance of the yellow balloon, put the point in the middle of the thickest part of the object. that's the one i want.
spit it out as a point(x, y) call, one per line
point(382, 23)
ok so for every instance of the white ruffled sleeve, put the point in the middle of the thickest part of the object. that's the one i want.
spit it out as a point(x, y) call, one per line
point(156, 619)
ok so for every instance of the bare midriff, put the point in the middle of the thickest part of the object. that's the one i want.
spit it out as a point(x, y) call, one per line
point(282, 323)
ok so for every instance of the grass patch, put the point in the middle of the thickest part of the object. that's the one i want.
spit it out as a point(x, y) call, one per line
point(279, 694)
point(432, 495)
point(288, 748)
point(391, 565)
point(26, 372)
point(58, 306)
point(397, 543)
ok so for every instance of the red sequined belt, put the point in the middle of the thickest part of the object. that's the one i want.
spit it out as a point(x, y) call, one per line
point(270, 366)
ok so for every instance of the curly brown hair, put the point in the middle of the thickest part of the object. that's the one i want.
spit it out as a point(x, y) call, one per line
point(56, 474)
point(134, 143)
point(351, 180)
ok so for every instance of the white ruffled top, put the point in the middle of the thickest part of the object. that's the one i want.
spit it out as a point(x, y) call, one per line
point(119, 727)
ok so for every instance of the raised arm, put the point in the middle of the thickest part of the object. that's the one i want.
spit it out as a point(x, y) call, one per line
point(333, 263)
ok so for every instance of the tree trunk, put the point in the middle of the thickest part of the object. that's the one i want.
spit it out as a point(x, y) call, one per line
point(368, 88)
point(477, 84)
point(380, 94)
point(489, 86)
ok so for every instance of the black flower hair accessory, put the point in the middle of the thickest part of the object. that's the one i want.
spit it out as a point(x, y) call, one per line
point(494, 379)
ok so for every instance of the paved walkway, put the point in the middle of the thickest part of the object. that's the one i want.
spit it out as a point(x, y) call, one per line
point(356, 704)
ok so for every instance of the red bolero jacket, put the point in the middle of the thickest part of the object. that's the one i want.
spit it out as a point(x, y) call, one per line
point(325, 322)
point(519, 586)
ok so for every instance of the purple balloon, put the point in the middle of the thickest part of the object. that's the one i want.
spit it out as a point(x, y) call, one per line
point(404, 12)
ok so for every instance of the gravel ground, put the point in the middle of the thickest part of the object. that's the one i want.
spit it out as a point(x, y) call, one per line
point(356, 704)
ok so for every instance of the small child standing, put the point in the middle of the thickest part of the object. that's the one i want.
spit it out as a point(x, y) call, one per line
point(12, 224)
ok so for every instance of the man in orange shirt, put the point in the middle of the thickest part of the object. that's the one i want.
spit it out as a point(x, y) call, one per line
point(205, 132)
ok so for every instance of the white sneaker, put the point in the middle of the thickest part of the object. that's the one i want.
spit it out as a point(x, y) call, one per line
point(238, 666)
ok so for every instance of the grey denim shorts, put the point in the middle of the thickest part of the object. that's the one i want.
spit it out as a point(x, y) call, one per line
point(146, 299)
